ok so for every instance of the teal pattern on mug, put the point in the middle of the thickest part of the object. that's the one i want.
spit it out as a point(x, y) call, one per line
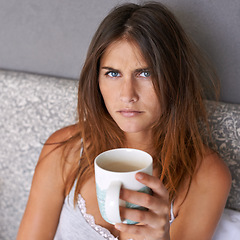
point(101, 196)
point(145, 189)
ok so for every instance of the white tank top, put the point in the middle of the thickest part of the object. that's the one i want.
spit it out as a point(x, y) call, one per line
point(76, 224)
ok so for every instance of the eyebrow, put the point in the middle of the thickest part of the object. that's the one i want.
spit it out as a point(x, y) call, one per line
point(110, 69)
point(135, 71)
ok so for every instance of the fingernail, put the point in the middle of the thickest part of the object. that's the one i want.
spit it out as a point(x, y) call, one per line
point(139, 176)
point(118, 226)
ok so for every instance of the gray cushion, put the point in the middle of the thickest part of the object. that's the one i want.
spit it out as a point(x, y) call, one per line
point(32, 107)
point(225, 125)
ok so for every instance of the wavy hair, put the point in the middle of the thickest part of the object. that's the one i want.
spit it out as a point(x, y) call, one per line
point(179, 73)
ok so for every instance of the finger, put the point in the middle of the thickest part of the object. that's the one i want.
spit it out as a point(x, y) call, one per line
point(147, 217)
point(153, 203)
point(142, 230)
point(154, 183)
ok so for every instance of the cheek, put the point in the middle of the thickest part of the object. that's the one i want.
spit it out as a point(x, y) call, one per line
point(153, 103)
point(151, 96)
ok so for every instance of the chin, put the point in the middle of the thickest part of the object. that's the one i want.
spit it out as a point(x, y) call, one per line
point(134, 126)
point(132, 129)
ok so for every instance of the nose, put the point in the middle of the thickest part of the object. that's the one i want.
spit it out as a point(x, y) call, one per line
point(128, 91)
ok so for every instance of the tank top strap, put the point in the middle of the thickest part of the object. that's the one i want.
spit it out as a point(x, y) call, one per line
point(171, 213)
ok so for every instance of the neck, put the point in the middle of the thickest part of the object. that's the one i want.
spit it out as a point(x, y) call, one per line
point(139, 141)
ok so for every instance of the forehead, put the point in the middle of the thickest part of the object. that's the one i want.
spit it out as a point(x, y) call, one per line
point(123, 51)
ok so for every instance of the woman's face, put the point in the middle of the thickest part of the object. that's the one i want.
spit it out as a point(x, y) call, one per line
point(125, 83)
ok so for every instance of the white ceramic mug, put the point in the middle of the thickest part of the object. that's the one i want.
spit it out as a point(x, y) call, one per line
point(114, 169)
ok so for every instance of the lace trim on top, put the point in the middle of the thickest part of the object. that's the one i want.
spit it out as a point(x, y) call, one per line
point(90, 220)
point(101, 230)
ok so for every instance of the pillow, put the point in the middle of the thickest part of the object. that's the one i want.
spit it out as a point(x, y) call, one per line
point(224, 119)
point(229, 226)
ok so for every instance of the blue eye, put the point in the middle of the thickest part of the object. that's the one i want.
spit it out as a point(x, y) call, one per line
point(145, 74)
point(112, 74)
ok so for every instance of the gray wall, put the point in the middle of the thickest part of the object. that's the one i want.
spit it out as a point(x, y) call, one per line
point(52, 36)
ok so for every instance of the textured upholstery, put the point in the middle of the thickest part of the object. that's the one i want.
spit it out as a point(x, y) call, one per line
point(225, 126)
point(34, 106)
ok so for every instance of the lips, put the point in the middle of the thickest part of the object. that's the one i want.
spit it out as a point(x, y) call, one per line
point(129, 113)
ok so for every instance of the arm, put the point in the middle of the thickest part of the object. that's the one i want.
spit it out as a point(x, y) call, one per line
point(46, 197)
point(197, 215)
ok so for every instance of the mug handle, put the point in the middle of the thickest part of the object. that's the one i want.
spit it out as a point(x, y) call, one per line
point(112, 202)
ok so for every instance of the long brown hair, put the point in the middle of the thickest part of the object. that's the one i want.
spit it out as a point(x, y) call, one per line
point(179, 72)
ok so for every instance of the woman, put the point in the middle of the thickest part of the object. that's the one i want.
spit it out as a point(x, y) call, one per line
point(141, 87)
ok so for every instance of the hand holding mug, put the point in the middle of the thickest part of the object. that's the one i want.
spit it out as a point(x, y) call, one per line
point(154, 222)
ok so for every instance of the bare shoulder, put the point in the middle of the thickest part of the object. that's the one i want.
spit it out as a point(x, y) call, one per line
point(57, 138)
point(212, 178)
point(213, 171)
point(49, 171)
point(47, 193)
point(205, 199)
point(54, 144)
point(51, 157)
